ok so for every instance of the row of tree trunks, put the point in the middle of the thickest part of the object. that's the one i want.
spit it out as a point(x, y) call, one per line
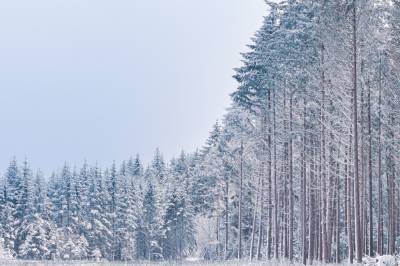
point(336, 181)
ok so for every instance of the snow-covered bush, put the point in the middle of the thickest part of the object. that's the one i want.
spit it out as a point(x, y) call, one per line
point(5, 254)
point(96, 255)
point(71, 246)
point(38, 240)
point(385, 260)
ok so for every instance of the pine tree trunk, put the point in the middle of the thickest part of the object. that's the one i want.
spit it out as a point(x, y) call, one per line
point(362, 169)
point(253, 227)
point(390, 211)
point(261, 218)
point(286, 173)
point(303, 198)
point(330, 215)
point(370, 207)
point(276, 198)
point(357, 214)
point(269, 233)
point(240, 202)
point(338, 227)
point(311, 207)
point(226, 199)
point(391, 188)
point(380, 196)
point(217, 237)
point(322, 170)
point(349, 209)
point(291, 196)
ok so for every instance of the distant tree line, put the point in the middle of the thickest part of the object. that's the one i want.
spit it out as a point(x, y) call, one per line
point(122, 213)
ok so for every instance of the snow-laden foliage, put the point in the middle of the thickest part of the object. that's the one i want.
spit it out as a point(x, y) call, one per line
point(120, 214)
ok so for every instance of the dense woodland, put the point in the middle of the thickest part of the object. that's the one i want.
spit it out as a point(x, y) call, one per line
point(303, 167)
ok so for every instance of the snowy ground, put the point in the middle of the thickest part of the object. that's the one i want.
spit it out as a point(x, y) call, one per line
point(380, 261)
point(230, 263)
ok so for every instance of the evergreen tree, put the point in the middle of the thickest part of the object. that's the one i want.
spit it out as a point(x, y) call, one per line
point(11, 213)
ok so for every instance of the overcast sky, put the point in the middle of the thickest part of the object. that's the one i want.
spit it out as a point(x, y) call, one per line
point(103, 80)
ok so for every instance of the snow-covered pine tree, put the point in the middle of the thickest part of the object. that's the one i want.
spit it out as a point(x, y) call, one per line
point(71, 244)
point(150, 225)
point(13, 188)
point(178, 219)
point(125, 219)
point(98, 233)
point(25, 210)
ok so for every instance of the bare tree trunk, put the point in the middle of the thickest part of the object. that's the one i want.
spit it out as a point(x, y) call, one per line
point(286, 173)
point(218, 238)
point(345, 192)
point(357, 224)
point(285, 212)
point(322, 170)
point(338, 208)
point(394, 211)
point(303, 199)
point(269, 233)
point(311, 208)
point(253, 228)
point(261, 218)
point(276, 198)
point(319, 219)
point(291, 196)
point(370, 207)
point(390, 211)
point(363, 212)
point(391, 187)
point(349, 209)
point(380, 211)
point(330, 211)
point(240, 202)
point(226, 199)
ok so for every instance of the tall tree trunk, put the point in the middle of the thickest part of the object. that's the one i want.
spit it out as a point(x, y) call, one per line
point(391, 187)
point(218, 247)
point(291, 196)
point(370, 207)
point(338, 187)
point(226, 199)
point(276, 198)
point(303, 196)
point(286, 174)
point(357, 224)
point(261, 218)
point(349, 208)
point(254, 222)
point(311, 206)
point(362, 169)
point(390, 205)
point(322, 169)
point(380, 196)
point(240, 202)
point(269, 232)
point(330, 213)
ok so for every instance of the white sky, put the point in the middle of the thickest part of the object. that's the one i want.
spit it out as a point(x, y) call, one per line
point(104, 80)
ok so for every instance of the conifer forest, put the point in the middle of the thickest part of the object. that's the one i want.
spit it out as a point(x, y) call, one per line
point(304, 167)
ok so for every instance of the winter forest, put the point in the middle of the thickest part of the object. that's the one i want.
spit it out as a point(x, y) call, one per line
point(303, 167)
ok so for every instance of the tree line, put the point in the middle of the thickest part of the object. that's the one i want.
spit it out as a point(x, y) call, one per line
point(120, 214)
